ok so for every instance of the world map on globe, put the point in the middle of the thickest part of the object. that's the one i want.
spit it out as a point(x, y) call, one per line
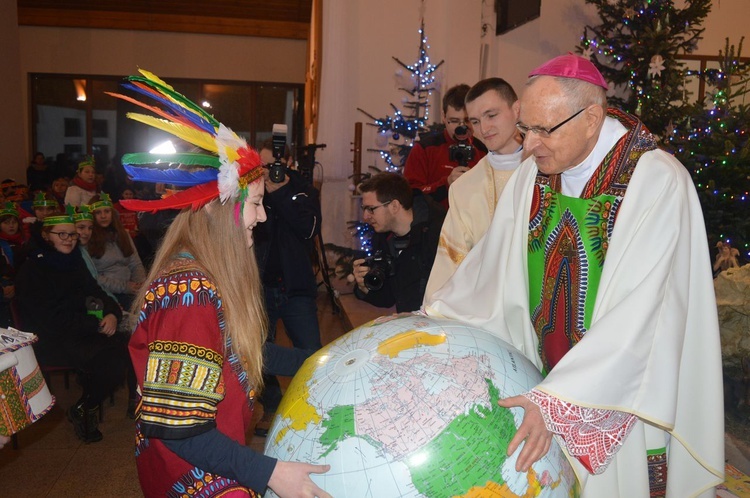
point(406, 406)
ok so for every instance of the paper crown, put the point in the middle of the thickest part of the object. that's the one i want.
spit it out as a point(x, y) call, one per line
point(61, 219)
point(571, 66)
point(87, 161)
point(224, 172)
point(41, 200)
point(104, 202)
point(9, 209)
point(80, 213)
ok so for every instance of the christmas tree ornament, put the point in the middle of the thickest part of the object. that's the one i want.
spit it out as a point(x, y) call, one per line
point(656, 66)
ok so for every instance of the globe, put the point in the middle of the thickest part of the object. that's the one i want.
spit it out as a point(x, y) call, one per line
point(406, 405)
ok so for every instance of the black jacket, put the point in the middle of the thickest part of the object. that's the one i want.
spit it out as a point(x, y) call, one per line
point(284, 243)
point(411, 267)
point(51, 292)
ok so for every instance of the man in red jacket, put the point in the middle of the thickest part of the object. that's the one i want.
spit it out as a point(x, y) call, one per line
point(430, 167)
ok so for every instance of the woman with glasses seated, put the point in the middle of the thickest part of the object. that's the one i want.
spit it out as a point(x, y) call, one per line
point(75, 320)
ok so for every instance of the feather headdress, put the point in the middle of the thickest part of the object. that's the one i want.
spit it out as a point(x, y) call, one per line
point(224, 171)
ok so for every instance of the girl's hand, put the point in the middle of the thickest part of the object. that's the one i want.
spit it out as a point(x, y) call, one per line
point(108, 325)
point(292, 480)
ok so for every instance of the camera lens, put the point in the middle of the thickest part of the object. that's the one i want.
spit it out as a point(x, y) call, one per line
point(461, 130)
point(374, 279)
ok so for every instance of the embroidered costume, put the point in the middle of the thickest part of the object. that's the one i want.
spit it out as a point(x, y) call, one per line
point(196, 401)
point(190, 382)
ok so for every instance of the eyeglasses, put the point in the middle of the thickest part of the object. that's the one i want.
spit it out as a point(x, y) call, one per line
point(371, 209)
point(67, 235)
point(544, 132)
point(456, 122)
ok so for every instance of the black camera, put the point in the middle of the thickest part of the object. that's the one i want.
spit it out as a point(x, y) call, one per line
point(277, 169)
point(462, 152)
point(381, 267)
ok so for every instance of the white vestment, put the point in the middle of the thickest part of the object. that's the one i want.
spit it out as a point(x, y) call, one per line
point(653, 347)
point(472, 200)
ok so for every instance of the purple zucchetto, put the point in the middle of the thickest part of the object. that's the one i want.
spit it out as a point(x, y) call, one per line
point(571, 66)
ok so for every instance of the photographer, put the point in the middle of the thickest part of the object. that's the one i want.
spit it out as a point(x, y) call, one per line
point(440, 158)
point(283, 246)
point(408, 229)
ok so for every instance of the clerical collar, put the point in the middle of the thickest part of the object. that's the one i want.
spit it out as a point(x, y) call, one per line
point(574, 180)
point(505, 162)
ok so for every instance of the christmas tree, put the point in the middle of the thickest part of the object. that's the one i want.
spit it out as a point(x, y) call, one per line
point(713, 144)
point(635, 47)
point(396, 132)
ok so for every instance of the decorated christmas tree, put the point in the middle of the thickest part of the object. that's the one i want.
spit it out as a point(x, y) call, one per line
point(397, 131)
point(714, 145)
point(635, 47)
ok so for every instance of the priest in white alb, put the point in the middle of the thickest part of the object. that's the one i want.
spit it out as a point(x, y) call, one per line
point(596, 267)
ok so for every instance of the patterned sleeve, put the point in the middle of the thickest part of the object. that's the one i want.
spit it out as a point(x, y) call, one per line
point(182, 382)
point(591, 435)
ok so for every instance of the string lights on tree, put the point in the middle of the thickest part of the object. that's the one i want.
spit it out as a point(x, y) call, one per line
point(397, 131)
point(714, 144)
point(636, 48)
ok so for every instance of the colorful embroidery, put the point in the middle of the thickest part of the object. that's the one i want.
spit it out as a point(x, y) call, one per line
point(182, 384)
point(592, 435)
point(559, 317)
point(200, 484)
point(657, 472)
point(568, 242)
point(182, 284)
point(15, 413)
point(141, 441)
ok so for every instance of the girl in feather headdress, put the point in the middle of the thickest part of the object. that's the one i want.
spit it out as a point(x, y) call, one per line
point(198, 346)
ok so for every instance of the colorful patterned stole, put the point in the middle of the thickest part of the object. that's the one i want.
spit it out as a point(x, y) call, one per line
point(568, 241)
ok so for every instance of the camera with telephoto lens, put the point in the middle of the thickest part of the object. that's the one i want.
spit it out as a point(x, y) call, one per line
point(277, 169)
point(381, 267)
point(462, 152)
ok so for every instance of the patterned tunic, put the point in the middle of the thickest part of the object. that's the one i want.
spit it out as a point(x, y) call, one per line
point(568, 241)
point(190, 382)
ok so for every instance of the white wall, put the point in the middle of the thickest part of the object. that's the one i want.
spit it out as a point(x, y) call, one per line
point(359, 40)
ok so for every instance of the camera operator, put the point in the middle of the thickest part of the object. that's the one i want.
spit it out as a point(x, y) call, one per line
point(407, 226)
point(283, 248)
point(440, 158)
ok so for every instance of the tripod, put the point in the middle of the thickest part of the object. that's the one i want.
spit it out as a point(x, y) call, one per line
point(305, 165)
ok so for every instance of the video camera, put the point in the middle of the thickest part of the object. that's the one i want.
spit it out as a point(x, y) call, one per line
point(277, 169)
point(462, 152)
point(381, 267)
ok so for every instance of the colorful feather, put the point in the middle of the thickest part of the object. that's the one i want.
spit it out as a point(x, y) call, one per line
point(182, 158)
point(176, 109)
point(191, 135)
point(194, 197)
point(178, 177)
point(155, 110)
point(176, 97)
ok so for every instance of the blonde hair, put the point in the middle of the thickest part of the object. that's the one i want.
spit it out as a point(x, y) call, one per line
point(219, 247)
